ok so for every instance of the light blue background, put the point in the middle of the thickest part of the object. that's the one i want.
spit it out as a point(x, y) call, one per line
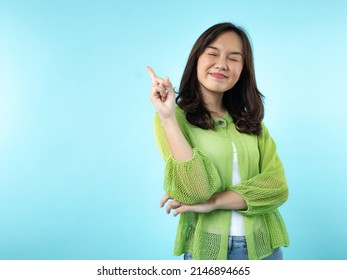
point(80, 175)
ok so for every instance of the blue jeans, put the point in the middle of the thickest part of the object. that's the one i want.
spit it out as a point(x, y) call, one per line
point(237, 250)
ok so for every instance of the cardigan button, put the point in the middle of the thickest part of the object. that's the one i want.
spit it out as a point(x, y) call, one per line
point(221, 123)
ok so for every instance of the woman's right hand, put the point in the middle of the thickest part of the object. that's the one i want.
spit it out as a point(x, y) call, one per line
point(162, 96)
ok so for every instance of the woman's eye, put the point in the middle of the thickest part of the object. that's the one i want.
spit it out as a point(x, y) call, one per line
point(213, 54)
point(232, 59)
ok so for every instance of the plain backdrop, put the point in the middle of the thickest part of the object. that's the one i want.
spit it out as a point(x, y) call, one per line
point(80, 174)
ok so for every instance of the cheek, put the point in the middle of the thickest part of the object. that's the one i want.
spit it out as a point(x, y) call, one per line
point(203, 63)
point(201, 68)
point(236, 71)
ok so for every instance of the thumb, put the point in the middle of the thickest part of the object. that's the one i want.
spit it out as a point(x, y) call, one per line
point(167, 84)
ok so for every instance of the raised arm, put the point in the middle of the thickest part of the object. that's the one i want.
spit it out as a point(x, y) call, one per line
point(190, 177)
point(163, 98)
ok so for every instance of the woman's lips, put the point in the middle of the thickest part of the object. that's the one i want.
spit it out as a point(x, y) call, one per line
point(218, 75)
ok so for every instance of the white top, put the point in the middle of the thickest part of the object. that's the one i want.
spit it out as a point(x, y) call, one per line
point(237, 226)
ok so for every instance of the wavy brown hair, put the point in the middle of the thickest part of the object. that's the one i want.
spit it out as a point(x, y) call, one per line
point(244, 101)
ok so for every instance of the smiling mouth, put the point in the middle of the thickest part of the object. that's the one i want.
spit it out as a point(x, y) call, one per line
point(218, 76)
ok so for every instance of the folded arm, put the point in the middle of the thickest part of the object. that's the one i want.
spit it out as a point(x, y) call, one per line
point(268, 190)
point(262, 193)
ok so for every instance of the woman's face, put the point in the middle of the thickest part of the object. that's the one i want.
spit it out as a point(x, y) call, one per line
point(220, 65)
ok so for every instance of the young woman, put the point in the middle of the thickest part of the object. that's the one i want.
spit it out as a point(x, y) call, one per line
point(222, 173)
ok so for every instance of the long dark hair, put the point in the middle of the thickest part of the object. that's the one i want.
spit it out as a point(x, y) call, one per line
point(244, 101)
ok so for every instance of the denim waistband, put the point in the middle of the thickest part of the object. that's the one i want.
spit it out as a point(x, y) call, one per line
point(236, 240)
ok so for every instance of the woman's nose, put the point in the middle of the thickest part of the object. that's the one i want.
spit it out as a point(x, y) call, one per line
point(221, 64)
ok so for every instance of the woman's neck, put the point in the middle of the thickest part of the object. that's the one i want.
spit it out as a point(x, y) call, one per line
point(214, 104)
point(218, 114)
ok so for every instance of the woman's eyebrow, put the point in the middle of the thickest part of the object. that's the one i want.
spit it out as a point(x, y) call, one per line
point(212, 47)
point(232, 52)
point(237, 53)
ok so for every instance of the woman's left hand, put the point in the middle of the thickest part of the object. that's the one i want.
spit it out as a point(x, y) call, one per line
point(204, 207)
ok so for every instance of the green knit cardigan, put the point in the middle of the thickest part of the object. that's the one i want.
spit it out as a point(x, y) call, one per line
point(263, 186)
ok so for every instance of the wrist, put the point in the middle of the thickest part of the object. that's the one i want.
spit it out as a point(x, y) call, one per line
point(168, 122)
point(213, 202)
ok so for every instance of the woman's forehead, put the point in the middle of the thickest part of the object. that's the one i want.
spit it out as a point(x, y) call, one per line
point(229, 41)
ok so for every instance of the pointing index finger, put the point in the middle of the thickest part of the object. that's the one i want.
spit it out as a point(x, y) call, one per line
point(155, 79)
point(151, 73)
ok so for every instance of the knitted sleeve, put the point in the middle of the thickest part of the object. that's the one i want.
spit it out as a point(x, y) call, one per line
point(268, 190)
point(189, 182)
